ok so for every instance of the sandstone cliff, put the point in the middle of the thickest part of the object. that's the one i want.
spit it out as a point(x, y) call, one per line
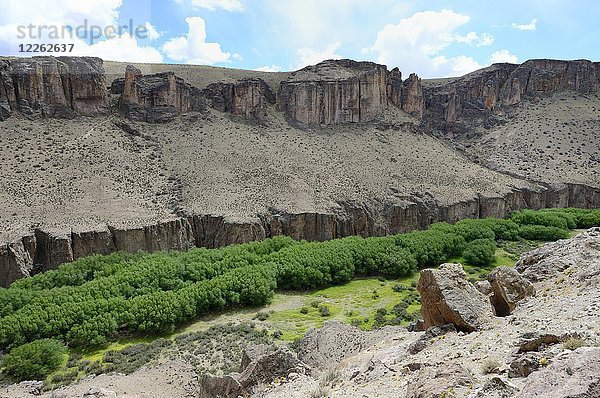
point(248, 98)
point(335, 91)
point(456, 105)
point(157, 98)
point(48, 86)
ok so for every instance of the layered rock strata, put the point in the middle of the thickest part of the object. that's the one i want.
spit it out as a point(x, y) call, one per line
point(248, 98)
point(49, 86)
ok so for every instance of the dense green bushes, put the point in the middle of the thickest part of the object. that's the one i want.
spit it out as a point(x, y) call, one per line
point(480, 252)
point(92, 300)
point(34, 360)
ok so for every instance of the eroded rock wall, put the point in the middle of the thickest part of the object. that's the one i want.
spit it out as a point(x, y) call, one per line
point(248, 98)
point(49, 86)
point(45, 249)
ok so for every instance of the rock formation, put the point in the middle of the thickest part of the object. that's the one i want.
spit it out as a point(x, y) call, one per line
point(456, 105)
point(508, 288)
point(447, 297)
point(49, 86)
point(572, 375)
point(333, 92)
point(438, 382)
point(157, 98)
point(248, 98)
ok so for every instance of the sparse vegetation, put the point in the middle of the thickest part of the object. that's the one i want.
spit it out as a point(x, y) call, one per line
point(490, 365)
point(573, 343)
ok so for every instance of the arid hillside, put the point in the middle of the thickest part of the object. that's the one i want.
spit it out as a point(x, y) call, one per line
point(97, 157)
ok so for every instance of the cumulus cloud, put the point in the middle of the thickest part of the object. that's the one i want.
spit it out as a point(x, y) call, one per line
point(272, 68)
point(310, 56)
point(153, 34)
point(212, 5)
point(473, 39)
point(124, 48)
point(530, 26)
point(415, 44)
point(193, 48)
point(503, 56)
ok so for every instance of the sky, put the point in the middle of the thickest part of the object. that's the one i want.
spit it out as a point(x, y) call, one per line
point(435, 38)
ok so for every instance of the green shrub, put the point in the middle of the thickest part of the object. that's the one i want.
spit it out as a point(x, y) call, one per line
point(540, 232)
point(548, 219)
point(34, 360)
point(480, 252)
point(471, 230)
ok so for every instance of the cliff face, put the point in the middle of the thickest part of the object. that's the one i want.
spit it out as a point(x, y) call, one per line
point(333, 92)
point(157, 98)
point(248, 98)
point(48, 86)
point(46, 249)
point(473, 98)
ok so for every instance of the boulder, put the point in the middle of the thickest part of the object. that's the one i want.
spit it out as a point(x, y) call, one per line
point(334, 92)
point(573, 374)
point(524, 365)
point(97, 392)
point(254, 353)
point(497, 387)
point(508, 288)
point(484, 287)
point(438, 382)
point(265, 368)
point(427, 338)
point(157, 98)
point(248, 98)
point(447, 297)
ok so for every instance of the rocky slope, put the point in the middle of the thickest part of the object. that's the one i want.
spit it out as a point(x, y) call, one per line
point(209, 175)
point(546, 346)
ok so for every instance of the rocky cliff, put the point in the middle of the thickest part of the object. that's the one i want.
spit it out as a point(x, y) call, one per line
point(458, 104)
point(248, 98)
point(48, 86)
point(45, 249)
point(335, 91)
point(157, 98)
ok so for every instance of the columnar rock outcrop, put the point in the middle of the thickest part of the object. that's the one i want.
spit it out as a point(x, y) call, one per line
point(456, 104)
point(333, 92)
point(49, 86)
point(157, 98)
point(407, 94)
point(247, 97)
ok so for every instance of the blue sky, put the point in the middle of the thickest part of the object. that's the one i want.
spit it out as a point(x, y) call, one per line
point(432, 38)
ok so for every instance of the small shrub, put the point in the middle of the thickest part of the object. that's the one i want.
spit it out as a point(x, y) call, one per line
point(324, 310)
point(573, 343)
point(398, 288)
point(540, 232)
point(355, 322)
point(490, 365)
point(262, 316)
point(35, 360)
point(304, 310)
point(480, 252)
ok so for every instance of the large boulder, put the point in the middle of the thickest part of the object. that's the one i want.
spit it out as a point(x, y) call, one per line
point(508, 287)
point(574, 374)
point(448, 297)
point(334, 92)
point(438, 382)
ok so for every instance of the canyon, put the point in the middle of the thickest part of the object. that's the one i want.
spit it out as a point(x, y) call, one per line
point(336, 149)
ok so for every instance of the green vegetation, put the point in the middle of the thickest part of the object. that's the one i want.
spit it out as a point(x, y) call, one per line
point(97, 299)
point(35, 360)
point(480, 252)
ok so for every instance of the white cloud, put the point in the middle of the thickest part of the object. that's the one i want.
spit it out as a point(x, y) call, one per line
point(153, 34)
point(193, 48)
point(124, 48)
point(503, 56)
point(473, 39)
point(415, 44)
point(530, 26)
point(309, 56)
point(212, 5)
point(272, 68)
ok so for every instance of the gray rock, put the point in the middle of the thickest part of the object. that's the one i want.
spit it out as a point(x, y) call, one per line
point(575, 374)
point(447, 297)
point(524, 365)
point(497, 387)
point(508, 288)
point(438, 382)
point(97, 392)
